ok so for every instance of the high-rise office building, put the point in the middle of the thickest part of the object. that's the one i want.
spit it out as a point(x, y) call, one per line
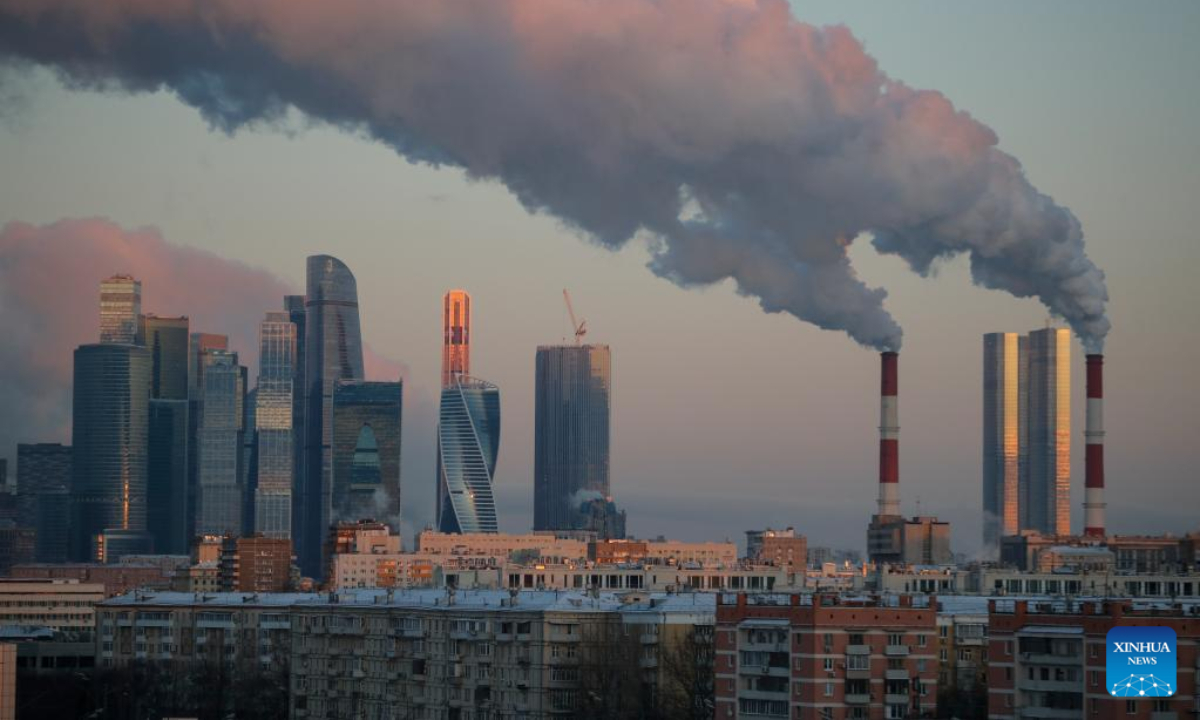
point(366, 451)
point(167, 476)
point(273, 412)
point(456, 335)
point(167, 340)
point(43, 498)
point(294, 305)
point(199, 344)
point(120, 309)
point(1005, 371)
point(219, 492)
point(332, 352)
point(1046, 497)
point(109, 441)
point(468, 439)
point(571, 433)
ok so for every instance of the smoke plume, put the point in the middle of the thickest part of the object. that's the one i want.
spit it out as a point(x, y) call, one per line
point(740, 142)
point(49, 304)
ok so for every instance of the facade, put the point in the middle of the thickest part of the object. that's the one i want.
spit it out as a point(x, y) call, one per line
point(1005, 371)
point(962, 625)
point(219, 491)
point(468, 443)
point(8, 681)
point(572, 408)
point(199, 345)
point(199, 349)
point(366, 451)
point(109, 434)
point(1045, 499)
point(777, 547)
point(332, 352)
point(167, 339)
point(297, 313)
point(920, 540)
point(120, 309)
point(273, 416)
point(538, 546)
point(167, 475)
point(1047, 659)
point(43, 497)
point(113, 579)
point(821, 656)
point(64, 606)
point(456, 336)
point(255, 564)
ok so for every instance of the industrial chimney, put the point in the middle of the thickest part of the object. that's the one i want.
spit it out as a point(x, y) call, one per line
point(889, 438)
point(1094, 460)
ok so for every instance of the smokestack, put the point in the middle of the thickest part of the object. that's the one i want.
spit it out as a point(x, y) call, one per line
point(1094, 460)
point(889, 437)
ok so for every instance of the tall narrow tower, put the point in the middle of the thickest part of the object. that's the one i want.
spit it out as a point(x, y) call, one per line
point(456, 335)
point(1094, 459)
point(1047, 491)
point(120, 308)
point(1003, 402)
point(889, 436)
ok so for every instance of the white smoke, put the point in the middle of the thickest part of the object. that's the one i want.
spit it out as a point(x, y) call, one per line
point(744, 144)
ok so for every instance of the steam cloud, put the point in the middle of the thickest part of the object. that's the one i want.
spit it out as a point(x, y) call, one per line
point(744, 144)
point(49, 304)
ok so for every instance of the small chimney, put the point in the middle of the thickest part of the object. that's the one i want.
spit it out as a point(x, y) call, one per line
point(889, 437)
point(1094, 459)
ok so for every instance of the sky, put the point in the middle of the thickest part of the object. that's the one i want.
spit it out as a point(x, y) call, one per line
point(725, 418)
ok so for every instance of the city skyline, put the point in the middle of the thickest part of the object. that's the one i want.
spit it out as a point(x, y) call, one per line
point(759, 423)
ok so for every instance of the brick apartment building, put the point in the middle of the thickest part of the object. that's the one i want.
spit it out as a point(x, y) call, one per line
point(1046, 659)
point(824, 657)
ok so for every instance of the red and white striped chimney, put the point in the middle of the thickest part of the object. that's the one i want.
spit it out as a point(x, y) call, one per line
point(1093, 503)
point(889, 437)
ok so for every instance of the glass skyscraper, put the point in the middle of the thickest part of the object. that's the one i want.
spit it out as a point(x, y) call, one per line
point(273, 425)
point(571, 433)
point(294, 305)
point(468, 439)
point(366, 451)
point(120, 309)
point(168, 341)
point(1046, 497)
point(456, 335)
point(1005, 372)
point(167, 477)
point(219, 447)
point(43, 498)
point(110, 429)
point(332, 352)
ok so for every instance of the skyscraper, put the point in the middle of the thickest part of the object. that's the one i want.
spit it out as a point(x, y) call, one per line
point(219, 448)
point(168, 341)
point(1046, 497)
point(468, 443)
point(273, 425)
point(198, 358)
point(167, 495)
point(366, 451)
point(1005, 371)
point(120, 309)
point(198, 345)
point(294, 305)
point(332, 352)
point(109, 441)
point(43, 494)
point(456, 335)
point(571, 433)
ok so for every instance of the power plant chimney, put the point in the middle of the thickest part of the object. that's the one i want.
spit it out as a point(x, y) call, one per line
point(889, 437)
point(1094, 460)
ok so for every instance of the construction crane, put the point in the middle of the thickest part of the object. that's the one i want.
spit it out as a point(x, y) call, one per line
point(580, 327)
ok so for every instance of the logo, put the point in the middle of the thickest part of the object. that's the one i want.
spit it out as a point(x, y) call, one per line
point(1141, 662)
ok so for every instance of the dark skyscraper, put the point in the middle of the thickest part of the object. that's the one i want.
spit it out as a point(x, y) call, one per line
point(167, 340)
point(109, 441)
point(571, 433)
point(294, 305)
point(273, 426)
point(167, 477)
point(219, 490)
point(332, 352)
point(468, 440)
point(366, 451)
point(43, 490)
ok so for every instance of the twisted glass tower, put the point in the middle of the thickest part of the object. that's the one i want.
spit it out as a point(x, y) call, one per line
point(468, 442)
point(332, 352)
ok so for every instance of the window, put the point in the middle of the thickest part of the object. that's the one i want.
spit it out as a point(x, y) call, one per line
point(943, 655)
point(896, 639)
point(828, 642)
point(1008, 647)
point(1131, 707)
point(828, 689)
point(1162, 705)
point(856, 639)
point(858, 662)
point(921, 640)
point(828, 664)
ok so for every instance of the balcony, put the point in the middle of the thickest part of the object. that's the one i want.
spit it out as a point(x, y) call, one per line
point(858, 699)
point(1164, 715)
point(858, 649)
point(1028, 658)
point(858, 673)
point(895, 699)
point(649, 638)
point(768, 670)
point(897, 651)
point(895, 675)
point(1045, 713)
point(1050, 685)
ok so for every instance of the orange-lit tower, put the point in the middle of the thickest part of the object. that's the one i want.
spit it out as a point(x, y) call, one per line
point(456, 335)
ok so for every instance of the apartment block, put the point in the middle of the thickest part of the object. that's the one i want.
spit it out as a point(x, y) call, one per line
point(825, 656)
point(65, 606)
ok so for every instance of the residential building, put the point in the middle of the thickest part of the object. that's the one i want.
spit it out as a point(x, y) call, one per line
point(366, 451)
point(255, 564)
point(332, 352)
point(468, 440)
point(825, 656)
point(274, 409)
point(110, 433)
point(777, 547)
point(1047, 659)
point(962, 641)
point(120, 310)
point(65, 606)
point(544, 547)
point(115, 579)
point(920, 540)
point(572, 418)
